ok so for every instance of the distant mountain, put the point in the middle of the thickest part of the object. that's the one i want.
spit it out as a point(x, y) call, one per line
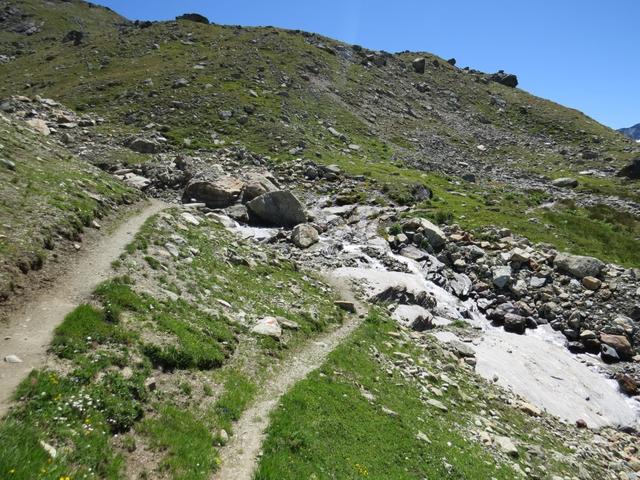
point(631, 132)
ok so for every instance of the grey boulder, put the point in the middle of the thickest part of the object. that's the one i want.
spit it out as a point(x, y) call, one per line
point(431, 233)
point(565, 182)
point(419, 64)
point(256, 185)
point(220, 193)
point(304, 235)
point(268, 327)
point(501, 276)
point(578, 266)
point(142, 145)
point(279, 209)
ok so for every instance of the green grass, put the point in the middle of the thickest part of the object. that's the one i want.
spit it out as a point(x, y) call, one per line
point(325, 427)
point(186, 441)
point(238, 393)
point(50, 195)
point(200, 338)
point(82, 328)
point(598, 231)
point(76, 415)
point(104, 353)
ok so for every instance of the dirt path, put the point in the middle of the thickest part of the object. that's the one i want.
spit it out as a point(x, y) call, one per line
point(240, 456)
point(29, 330)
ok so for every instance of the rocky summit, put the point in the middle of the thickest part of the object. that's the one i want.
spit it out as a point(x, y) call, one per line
point(252, 252)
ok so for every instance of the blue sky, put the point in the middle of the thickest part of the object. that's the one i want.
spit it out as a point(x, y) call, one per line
point(581, 53)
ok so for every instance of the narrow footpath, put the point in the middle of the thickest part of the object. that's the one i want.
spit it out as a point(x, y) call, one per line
point(240, 456)
point(25, 337)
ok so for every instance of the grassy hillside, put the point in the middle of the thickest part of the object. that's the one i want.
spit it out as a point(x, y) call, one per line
point(297, 84)
point(47, 196)
point(140, 381)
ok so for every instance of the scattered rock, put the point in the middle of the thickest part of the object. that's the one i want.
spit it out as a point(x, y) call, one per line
point(142, 145)
point(437, 404)
point(433, 235)
point(8, 164)
point(419, 64)
point(304, 235)
point(150, 384)
point(180, 83)
point(223, 437)
point(194, 17)
point(346, 305)
point(501, 276)
point(619, 343)
point(627, 384)
point(507, 446)
point(529, 409)
point(565, 182)
point(51, 451)
point(591, 283)
point(507, 79)
point(12, 359)
point(609, 354)
point(268, 326)
point(190, 218)
point(515, 323)
point(74, 36)
point(39, 126)
point(631, 171)
point(257, 185)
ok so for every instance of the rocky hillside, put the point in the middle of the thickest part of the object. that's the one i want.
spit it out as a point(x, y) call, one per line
point(455, 260)
point(48, 197)
point(631, 132)
point(407, 123)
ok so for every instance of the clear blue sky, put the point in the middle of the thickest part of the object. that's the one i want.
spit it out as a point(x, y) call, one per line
point(581, 53)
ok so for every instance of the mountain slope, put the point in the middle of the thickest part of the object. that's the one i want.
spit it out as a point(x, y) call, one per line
point(631, 132)
point(285, 95)
point(300, 80)
point(181, 360)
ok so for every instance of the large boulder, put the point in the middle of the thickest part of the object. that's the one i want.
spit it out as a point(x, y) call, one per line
point(507, 79)
point(515, 323)
point(142, 145)
point(268, 327)
point(631, 171)
point(304, 235)
point(419, 64)
point(256, 185)
point(74, 36)
point(279, 209)
point(220, 193)
point(578, 266)
point(565, 182)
